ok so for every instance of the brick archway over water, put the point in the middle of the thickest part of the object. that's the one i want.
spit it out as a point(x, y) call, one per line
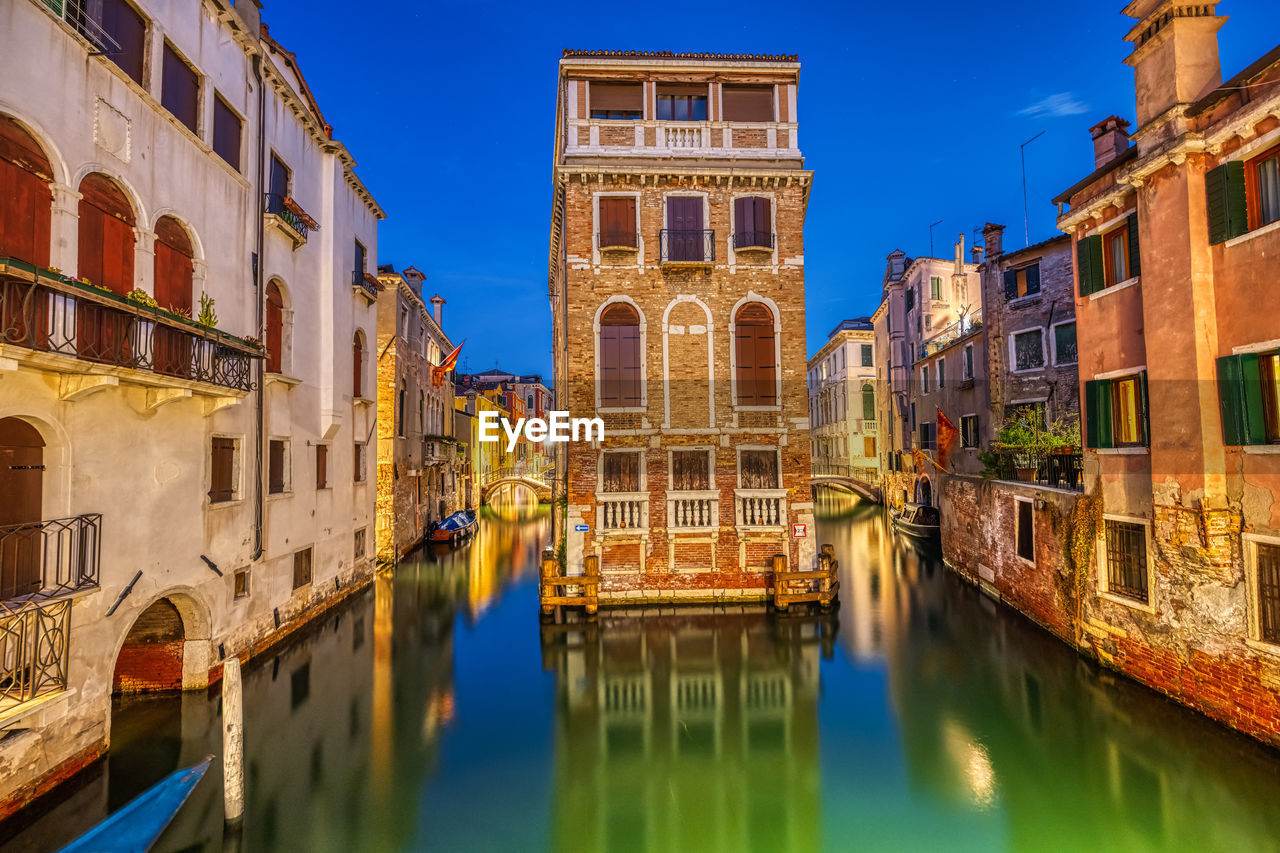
point(151, 658)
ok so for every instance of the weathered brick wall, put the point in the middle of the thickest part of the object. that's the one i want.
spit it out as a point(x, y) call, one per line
point(151, 658)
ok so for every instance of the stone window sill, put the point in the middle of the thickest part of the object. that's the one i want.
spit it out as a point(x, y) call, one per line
point(1263, 646)
point(1022, 301)
point(1127, 602)
point(287, 381)
point(1263, 449)
point(1249, 235)
point(1121, 451)
point(1127, 283)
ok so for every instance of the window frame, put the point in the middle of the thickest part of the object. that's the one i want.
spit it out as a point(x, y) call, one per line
point(710, 452)
point(924, 379)
point(286, 473)
point(322, 453)
point(757, 447)
point(360, 461)
point(167, 49)
point(237, 466)
point(942, 372)
point(597, 233)
point(1018, 502)
point(1013, 350)
point(1253, 187)
point(601, 406)
point(642, 476)
point(1120, 232)
point(967, 363)
point(964, 441)
point(935, 293)
point(1053, 337)
point(1253, 607)
point(216, 126)
point(303, 556)
point(1103, 583)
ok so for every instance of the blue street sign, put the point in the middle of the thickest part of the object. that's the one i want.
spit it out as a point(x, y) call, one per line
point(580, 528)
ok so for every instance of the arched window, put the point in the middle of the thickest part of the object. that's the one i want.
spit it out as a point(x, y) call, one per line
point(105, 258)
point(357, 365)
point(26, 202)
point(754, 354)
point(868, 403)
point(400, 410)
point(422, 405)
point(173, 285)
point(528, 403)
point(275, 329)
point(619, 375)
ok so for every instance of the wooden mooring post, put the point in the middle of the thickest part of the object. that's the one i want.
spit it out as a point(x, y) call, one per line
point(232, 739)
point(818, 586)
point(554, 588)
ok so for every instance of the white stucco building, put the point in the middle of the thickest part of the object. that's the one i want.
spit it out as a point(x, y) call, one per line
point(182, 486)
point(842, 402)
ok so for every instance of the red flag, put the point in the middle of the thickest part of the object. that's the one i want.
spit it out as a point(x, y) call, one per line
point(947, 435)
point(450, 361)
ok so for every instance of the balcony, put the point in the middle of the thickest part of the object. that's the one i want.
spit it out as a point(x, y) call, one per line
point(365, 284)
point(78, 328)
point(687, 247)
point(695, 511)
point(869, 426)
point(622, 511)
point(289, 217)
point(748, 241)
point(42, 565)
point(760, 509)
point(1058, 469)
point(670, 138)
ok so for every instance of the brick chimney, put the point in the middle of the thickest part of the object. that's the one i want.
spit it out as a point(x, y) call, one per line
point(437, 309)
point(1110, 140)
point(1175, 54)
point(415, 278)
point(993, 236)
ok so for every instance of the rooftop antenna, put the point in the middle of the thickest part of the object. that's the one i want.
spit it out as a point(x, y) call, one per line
point(1026, 226)
point(939, 222)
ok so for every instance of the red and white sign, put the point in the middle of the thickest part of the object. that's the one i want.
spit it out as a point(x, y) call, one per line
point(799, 531)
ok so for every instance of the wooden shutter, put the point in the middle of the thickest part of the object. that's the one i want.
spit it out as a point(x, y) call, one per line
point(617, 97)
point(1089, 264)
point(1144, 416)
point(1010, 284)
point(26, 202)
point(129, 31)
point(1135, 256)
point(1033, 279)
point(322, 466)
point(756, 368)
point(279, 180)
point(173, 266)
point(762, 224)
point(105, 253)
point(1240, 395)
point(1097, 396)
point(226, 133)
point(357, 367)
point(179, 86)
point(1226, 207)
point(747, 103)
point(618, 221)
point(275, 467)
point(222, 470)
point(744, 221)
point(620, 357)
point(275, 327)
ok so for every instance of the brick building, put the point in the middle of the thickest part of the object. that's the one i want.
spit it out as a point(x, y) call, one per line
point(842, 402)
point(677, 291)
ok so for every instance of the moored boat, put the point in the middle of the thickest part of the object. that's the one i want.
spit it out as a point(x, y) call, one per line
point(918, 520)
point(456, 527)
point(136, 826)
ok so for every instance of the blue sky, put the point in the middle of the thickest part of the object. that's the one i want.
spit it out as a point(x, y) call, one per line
point(910, 112)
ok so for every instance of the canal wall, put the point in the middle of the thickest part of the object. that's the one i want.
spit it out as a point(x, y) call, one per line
point(1190, 645)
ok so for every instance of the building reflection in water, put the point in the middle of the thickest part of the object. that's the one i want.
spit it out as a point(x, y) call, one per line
point(687, 729)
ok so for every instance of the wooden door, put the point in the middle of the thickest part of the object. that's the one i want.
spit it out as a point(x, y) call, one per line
point(105, 258)
point(21, 487)
point(684, 228)
point(171, 349)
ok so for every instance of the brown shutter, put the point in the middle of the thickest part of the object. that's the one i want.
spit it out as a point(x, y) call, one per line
point(179, 85)
point(322, 466)
point(275, 467)
point(754, 352)
point(26, 202)
point(616, 96)
point(620, 357)
point(129, 30)
point(357, 368)
point(762, 224)
point(275, 327)
point(226, 133)
point(745, 361)
point(222, 470)
point(747, 103)
point(766, 369)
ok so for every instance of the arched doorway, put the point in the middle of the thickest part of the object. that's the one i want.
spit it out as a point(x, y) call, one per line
point(924, 491)
point(21, 500)
point(150, 660)
point(105, 259)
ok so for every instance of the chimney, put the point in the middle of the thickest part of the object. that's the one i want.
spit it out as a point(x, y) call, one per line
point(993, 236)
point(437, 309)
point(1175, 54)
point(959, 267)
point(415, 278)
point(1110, 140)
point(977, 251)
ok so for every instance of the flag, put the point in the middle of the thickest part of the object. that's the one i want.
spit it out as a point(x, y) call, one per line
point(439, 372)
point(947, 435)
point(919, 459)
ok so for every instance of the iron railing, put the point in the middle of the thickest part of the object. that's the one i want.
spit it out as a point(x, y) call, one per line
point(298, 222)
point(753, 239)
point(75, 14)
point(360, 281)
point(1057, 469)
point(687, 246)
point(617, 240)
point(46, 559)
point(44, 311)
point(35, 642)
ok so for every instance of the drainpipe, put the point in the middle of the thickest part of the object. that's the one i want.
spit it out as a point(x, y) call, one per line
point(260, 292)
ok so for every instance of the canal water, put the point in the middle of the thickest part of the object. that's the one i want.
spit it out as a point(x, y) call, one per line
point(435, 712)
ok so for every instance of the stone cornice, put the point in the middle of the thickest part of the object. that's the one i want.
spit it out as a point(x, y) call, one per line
point(642, 175)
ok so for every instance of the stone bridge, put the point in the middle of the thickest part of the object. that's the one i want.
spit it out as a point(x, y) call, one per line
point(856, 480)
point(530, 476)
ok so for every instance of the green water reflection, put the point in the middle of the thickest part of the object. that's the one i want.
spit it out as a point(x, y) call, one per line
point(437, 712)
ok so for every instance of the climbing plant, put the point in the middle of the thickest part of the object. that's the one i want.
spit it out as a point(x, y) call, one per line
point(1080, 536)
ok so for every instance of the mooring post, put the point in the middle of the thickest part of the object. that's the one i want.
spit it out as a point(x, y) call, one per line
point(548, 572)
point(779, 581)
point(232, 739)
point(826, 563)
point(592, 589)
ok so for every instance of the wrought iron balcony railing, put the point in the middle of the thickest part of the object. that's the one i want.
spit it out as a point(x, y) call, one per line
point(685, 246)
point(46, 559)
point(365, 282)
point(35, 643)
point(45, 311)
point(617, 240)
point(1059, 469)
point(290, 214)
point(753, 240)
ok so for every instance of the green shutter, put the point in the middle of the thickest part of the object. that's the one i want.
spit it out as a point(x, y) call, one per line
point(1097, 411)
point(1010, 284)
point(1225, 202)
point(1240, 394)
point(1144, 409)
point(1033, 279)
point(1135, 257)
point(1089, 264)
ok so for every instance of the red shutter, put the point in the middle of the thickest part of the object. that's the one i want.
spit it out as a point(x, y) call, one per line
point(629, 364)
point(610, 366)
point(322, 466)
point(755, 359)
point(357, 368)
point(745, 360)
point(221, 486)
point(275, 327)
point(763, 226)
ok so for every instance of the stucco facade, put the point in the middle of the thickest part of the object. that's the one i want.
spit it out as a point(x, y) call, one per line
point(842, 402)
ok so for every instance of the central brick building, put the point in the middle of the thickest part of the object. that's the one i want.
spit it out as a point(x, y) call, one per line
point(677, 290)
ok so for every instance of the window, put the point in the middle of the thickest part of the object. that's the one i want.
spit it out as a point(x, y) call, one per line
point(1027, 350)
point(621, 472)
point(275, 328)
point(1105, 260)
point(752, 222)
point(909, 295)
point(1264, 188)
point(358, 544)
point(969, 430)
point(1064, 343)
point(25, 198)
point(301, 568)
point(1026, 529)
point(358, 455)
point(935, 287)
point(400, 403)
point(690, 470)
point(106, 244)
point(125, 31)
point(756, 369)
point(173, 270)
point(866, 355)
point(222, 479)
point(1243, 195)
point(682, 103)
point(747, 103)
point(942, 373)
point(926, 435)
point(624, 101)
point(924, 379)
point(1126, 558)
point(968, 361)
point(357, 365)
point(179, 88)
point(1024, 281)
point(913, 416)
point(226, 132)
point(322, 466)
point(1249, 392)
point(869, 446)
point(422, 408)
point(242, 584)
point(617, 222)
point(280, 179)
point(758, 469)
point(277, 466)
point(1267, 584)
point(868, 402)
point(619, 370)
point(361, 259)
